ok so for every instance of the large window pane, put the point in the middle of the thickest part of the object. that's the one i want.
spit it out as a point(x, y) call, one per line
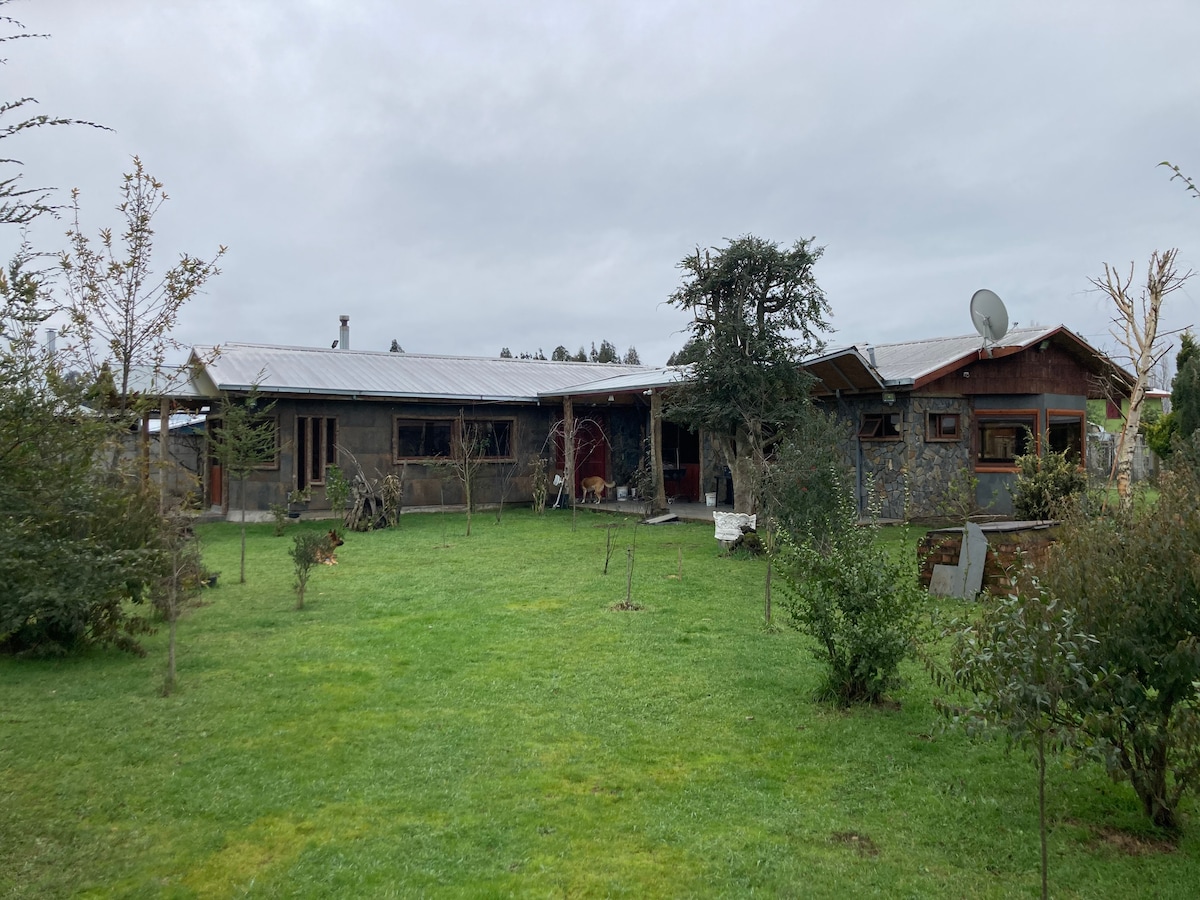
point(423, 439)
point(1065, 432)
point(1002, 438)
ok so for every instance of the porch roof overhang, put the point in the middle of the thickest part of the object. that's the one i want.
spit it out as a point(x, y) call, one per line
point(627, 384)
point(844, 370)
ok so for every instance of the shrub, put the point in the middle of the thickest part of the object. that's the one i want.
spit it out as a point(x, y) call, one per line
point(308, 550)
point(72, 557)
point(803, 485)
point(1047, 484)
point(857, 604)
point(1133, 581)
point(1015, 666)
point(337, 490)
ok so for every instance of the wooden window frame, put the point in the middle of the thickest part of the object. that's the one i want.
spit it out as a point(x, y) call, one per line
point(510, 433)
point(871, 424)
point(935, 427)
point(1079, 414)
point(316, 449)
point(212, 423)
point(1026, 418)
point(510, 429)
point(424, 421)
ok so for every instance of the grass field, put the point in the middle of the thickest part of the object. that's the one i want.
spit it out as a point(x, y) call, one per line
point(453, 716)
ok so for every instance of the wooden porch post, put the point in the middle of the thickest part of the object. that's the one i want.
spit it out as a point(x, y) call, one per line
point(656, 462)
point(569, 445)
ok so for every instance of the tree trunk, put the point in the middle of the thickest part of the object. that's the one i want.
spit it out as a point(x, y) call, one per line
point(173, 614)
point(242, 574)
point(742, 469)
point(656, 459)
point(1041, 764)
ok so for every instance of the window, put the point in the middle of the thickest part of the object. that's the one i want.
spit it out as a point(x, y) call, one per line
point(436, 438)
point(423, 438)
point(1064, 432)
point(942, 427)
point(880, 427)
point(214, 426)
point(495, 437)
point(316, 448)
point(1002, 437)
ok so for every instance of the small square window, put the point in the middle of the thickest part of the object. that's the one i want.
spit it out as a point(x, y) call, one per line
point(880, 427)
point(942, 427)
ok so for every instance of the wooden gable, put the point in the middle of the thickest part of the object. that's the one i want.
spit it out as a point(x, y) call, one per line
point(1053, 370)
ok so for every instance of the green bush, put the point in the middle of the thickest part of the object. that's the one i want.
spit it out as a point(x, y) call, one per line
point(859, 606)
point(1047, 485)
point(1132, 580)
point(308, 551)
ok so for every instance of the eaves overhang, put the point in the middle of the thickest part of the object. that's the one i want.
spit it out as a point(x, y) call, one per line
point(844, 371)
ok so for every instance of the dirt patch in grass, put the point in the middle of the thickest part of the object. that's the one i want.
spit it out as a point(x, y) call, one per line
point(1134, 844)
point(858, 842)
point(626, 606)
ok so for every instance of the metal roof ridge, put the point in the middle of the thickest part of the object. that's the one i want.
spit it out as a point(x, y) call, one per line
point(635, 367)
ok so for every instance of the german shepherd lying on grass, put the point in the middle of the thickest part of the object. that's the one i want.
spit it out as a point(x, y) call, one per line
point(327, 555)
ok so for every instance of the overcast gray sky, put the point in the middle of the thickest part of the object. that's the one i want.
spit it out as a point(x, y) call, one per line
point(463, 176)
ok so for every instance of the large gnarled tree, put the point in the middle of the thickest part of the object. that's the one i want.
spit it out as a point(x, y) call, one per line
point(757, 311)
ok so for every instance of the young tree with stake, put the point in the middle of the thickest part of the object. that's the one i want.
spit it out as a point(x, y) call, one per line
point(244, 438)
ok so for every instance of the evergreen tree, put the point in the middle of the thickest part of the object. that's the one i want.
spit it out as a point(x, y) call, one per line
point(1185, 387)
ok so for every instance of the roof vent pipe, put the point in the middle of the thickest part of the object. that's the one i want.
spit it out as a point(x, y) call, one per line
point(344, 333)
point(871, 353)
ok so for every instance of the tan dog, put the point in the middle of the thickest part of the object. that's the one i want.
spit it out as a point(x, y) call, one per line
point(329, 556)
point(595, 485)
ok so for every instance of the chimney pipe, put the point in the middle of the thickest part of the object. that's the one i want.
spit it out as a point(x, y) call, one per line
point(344, 333)
point(51, 341)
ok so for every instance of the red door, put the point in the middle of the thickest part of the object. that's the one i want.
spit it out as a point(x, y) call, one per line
point(591, 451)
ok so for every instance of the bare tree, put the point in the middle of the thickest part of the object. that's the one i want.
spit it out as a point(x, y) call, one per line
point(19, 205)
point(121, 312)
point(1135, 329)
point(243, 438)
point(467, 454)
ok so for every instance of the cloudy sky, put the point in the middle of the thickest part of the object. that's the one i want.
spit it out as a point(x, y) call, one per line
point(463, 176)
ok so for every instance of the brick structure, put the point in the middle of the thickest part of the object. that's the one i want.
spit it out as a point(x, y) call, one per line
point(1005, 541)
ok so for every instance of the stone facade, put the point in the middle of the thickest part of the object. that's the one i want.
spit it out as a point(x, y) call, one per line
point(906, 475)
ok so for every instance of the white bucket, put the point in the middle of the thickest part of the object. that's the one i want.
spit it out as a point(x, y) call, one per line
point(710, 499)
point(622, 493)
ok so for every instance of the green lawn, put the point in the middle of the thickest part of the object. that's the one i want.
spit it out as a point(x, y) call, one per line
point(461, 716)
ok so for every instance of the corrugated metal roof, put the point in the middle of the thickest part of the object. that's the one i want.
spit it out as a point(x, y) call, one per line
point(175, 382)
point(629, 381)
point(909, 360)
point(909, 363)
point(369, 373)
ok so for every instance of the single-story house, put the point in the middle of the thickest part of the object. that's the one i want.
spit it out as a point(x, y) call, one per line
point(917, 413)
point(920, 412)
point(380, 413)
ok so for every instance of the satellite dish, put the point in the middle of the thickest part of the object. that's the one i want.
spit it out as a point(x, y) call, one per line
point(989, 315)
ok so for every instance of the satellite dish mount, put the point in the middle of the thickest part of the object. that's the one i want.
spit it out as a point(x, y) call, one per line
point(989, 317)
